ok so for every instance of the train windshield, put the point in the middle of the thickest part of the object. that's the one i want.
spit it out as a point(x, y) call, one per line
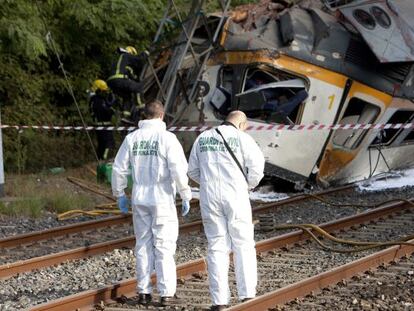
point(272, 96)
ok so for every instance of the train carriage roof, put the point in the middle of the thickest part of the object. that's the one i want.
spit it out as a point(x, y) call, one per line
point(334, 38)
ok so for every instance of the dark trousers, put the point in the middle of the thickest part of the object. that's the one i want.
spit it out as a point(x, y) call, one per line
point(106, 143)
point(129, 91)
point(122, 87)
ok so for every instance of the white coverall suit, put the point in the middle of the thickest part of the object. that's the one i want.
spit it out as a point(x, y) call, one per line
point(158, 166)
point(225, 207)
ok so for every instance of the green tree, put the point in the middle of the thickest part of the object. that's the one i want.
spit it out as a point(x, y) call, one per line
point(85, 35)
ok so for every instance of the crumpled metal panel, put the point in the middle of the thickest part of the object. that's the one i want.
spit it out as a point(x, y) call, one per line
point(264, 36)
point(249, 15)
point(320, 37)
point(254, 26)
point(393, 43)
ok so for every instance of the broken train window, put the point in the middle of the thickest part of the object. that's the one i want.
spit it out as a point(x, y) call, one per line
point(221, 99)
point(410, 137)
point(272, 96)
point(358, 111)
point(393, 136)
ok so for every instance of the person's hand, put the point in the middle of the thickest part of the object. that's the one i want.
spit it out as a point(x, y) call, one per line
point(185, 208)
point(123, 203)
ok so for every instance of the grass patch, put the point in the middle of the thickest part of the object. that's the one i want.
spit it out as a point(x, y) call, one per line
point(59, 202)
point(32, 195)
point(63, 202)
point(28, 207)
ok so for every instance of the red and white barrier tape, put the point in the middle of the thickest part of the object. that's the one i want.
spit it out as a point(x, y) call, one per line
point(277, 127)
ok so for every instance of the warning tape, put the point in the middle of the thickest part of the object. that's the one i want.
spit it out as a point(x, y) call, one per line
point(277, 127)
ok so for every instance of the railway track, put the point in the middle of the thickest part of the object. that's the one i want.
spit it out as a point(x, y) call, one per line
point(40, 249)
point(32, 237)
point(389, 287)
point(281, 260)
point(54, 240)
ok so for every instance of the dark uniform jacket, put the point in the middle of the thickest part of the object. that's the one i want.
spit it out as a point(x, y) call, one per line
point(127, 66)
point(101, 108)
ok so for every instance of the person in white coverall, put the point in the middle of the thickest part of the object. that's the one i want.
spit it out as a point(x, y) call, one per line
point(158, 165)
point(225, 204)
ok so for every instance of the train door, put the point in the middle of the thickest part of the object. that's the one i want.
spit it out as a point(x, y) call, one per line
point(271, 96)
point(363, 105)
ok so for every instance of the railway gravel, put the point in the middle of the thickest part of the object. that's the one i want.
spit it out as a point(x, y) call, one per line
point(10, 226)
point(390, 287)
point(281, 267)
point(66, 242)
point(53, 282)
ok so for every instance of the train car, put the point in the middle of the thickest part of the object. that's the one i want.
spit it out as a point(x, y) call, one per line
point(336, 62)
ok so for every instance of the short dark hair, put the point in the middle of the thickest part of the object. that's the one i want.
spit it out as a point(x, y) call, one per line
point(154, 109)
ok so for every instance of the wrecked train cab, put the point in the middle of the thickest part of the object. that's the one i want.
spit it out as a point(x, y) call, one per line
point(276, 89)
point(305, 65)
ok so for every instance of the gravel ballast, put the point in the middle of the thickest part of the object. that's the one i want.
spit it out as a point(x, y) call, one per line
point(54, 282)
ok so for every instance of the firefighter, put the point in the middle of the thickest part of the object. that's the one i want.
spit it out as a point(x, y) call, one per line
point(101, 104)
point(124, 81)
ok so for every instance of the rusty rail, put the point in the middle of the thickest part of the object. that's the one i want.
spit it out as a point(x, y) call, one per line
point(127, 288)
point(63, 230)
point(264, 208)
point(88, 299)
point(346, 222)
point(92, 188)
point(320, 281)
point(110, 221)
point(10, 269)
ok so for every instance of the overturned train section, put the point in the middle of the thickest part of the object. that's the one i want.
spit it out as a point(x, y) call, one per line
point(310, 62)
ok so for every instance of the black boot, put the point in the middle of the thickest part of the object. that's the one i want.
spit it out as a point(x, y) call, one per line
point(246, 299)
point(144, 299)
point(170, 301)
point(218, 307)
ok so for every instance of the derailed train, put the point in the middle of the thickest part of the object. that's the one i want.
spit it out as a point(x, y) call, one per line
point(336, 61)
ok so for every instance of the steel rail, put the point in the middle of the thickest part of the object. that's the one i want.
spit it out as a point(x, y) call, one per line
point(110, 221)
point(91, 187)
point(320, 281)
point(264, 208)
point(345, 222)
point(127, 288)
point(62, 230)
point(10, 269)
point(86, 300)
point(36, 236)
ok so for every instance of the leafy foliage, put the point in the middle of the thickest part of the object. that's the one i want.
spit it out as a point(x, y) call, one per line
point(85, 35)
